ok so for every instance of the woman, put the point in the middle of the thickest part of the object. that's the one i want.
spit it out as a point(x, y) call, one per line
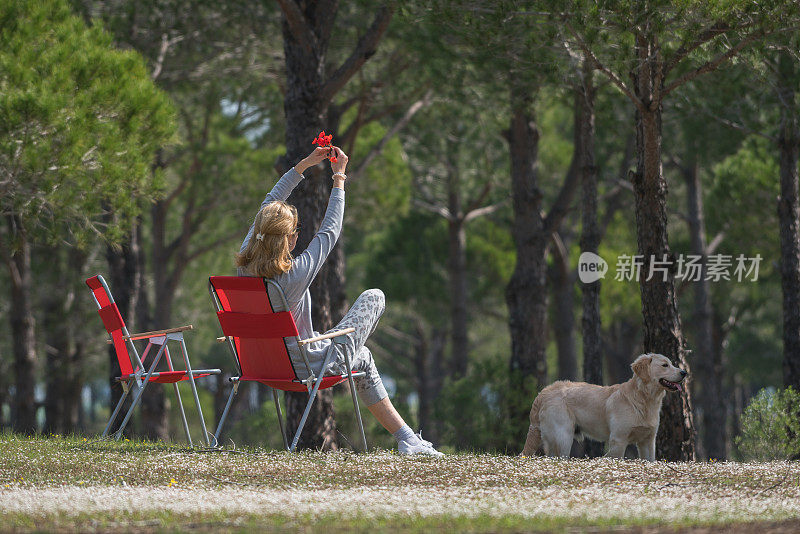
point(268, 255)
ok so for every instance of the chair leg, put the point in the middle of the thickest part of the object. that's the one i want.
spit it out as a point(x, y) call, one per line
point(180, 401)
point(317, 384)
point(183, 414)
point(125, 391)
point(139, 393)
point(355, 398)
point(305, 415)
point(194, 391)
point(280, 418)
point(234, 390)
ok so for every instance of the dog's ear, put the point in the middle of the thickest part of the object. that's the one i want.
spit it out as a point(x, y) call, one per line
point(641, 367)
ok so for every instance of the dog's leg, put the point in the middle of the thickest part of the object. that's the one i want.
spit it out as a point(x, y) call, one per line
point(616, 447)
point(565, 442)
point(557, 429)
point(557, 443)
point(647, 449)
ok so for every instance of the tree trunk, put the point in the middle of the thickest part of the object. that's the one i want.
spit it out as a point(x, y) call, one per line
point(3, 398)
point(590, 229)
point(428, 367)
point(662, 325)
point(621, 346)
point(305, 118)
point(62, 315)
point(307, 28)
point(563, 314)
point(591, 325)
point(155, 421)
point(23, 339)
point(720, 328)
point(526, 293)
point(789, 218)
point(457, 271)
point(707, 380)
point(56, 332)
point(126, 284)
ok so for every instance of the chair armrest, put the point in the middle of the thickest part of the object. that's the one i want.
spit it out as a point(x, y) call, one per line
point(326, 336)
point(329, 335)
point(156, 333)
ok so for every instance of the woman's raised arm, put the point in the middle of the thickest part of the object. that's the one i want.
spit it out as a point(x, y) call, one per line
point(284, 187)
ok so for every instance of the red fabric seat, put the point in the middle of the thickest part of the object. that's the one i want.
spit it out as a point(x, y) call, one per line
point(166, 377)
point(259, 333)
point(257, 328)
point(132, 368)
point(294, 385)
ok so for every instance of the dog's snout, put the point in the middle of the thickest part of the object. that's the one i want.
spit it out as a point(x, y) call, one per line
point(683, 373)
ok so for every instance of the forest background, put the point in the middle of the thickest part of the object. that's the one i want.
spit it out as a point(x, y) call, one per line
point(491, 143)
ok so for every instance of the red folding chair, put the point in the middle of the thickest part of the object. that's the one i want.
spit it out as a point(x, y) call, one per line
point(256, 324)
point(133, 371)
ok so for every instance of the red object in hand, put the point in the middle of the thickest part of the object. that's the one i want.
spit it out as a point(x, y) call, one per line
point(323, 140)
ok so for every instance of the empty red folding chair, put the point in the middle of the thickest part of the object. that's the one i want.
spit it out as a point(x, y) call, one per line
point(133, 371)
point(256, 324)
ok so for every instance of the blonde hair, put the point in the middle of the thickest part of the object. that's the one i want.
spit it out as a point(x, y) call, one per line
point(270, 256)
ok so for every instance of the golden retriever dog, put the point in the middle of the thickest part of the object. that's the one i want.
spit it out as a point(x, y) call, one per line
point(619, 415)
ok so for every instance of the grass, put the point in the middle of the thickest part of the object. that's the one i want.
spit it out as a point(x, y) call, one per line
point(70, 483)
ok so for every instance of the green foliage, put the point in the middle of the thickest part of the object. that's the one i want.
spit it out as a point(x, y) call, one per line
point(745, 183)
point(408, 259)
point(79, 121)
point(771, 426)
point(476, 406)
point(384, 190)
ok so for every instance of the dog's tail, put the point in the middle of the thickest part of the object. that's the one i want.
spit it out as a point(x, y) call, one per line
point(534, 440)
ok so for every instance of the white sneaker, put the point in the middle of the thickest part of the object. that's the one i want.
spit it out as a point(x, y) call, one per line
point(421, 447)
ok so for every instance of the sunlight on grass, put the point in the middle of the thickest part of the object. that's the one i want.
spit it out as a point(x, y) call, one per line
point(69, 479)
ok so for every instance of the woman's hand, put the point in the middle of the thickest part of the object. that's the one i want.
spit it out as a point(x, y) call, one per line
point(316, 157)
point(341, 160)
point(338, 167)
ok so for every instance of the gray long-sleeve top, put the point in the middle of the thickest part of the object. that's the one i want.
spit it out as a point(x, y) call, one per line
point(296, 281)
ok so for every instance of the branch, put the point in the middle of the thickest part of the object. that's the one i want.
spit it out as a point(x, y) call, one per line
point(365, 48)
point(211, 246)
point(602, 68)
point(741, 127)
point(399, 365)
point(298, 24)
point(560, 251)
point(715, 243)
point(378, 115)
point(437, 210)
point(175, 193)
point(684, 50)
point(399, 125)
point(366, 98)
point(160, 59)
point(399, 335)
point(561, 204)
point(712, 64)
point(162, 52)
point(486, 210)
point(477, 201)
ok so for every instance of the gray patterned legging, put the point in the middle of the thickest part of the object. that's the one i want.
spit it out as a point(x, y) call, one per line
point(363, 315)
